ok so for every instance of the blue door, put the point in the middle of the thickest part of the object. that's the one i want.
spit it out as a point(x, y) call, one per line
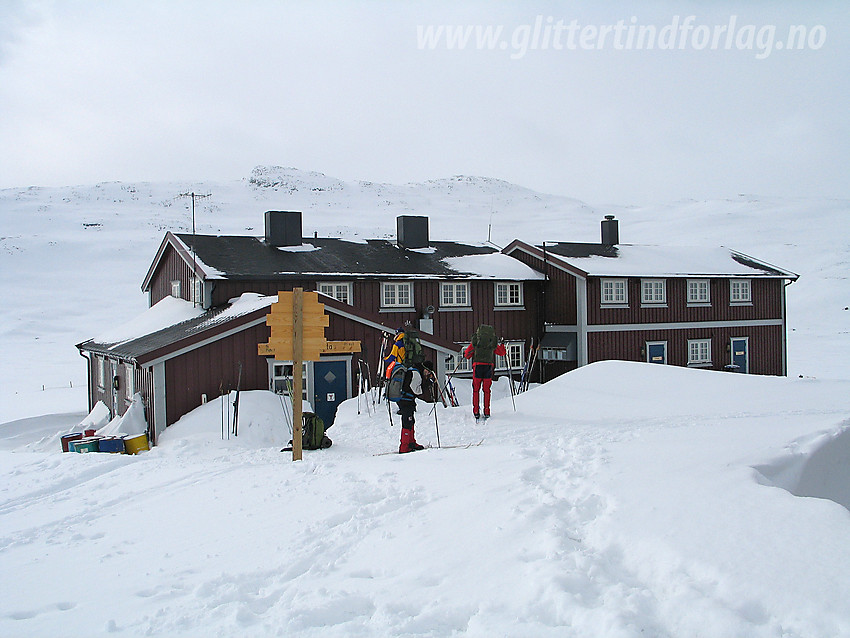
point(656, 352)
point(330, 388)
point(740, 354)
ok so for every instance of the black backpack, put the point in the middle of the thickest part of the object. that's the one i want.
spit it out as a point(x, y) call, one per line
point(484, 341)
point(313, 435)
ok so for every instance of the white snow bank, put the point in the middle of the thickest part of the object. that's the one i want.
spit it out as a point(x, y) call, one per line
point(165, 313)
point(264, 420)
point(600, 508)
point(96, 419)
point(131, 423)
point(815, 465)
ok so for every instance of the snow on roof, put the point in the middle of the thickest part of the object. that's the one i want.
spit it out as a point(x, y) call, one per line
point(163, 314)
point(492, 266)
point(247, 303)
point(300, 248)
point(649, 261)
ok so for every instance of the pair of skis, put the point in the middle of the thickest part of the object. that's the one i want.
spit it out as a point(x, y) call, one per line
point(463, 446)
point(528, 368)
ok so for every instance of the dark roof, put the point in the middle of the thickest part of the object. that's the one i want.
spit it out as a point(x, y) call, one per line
point(236, 257)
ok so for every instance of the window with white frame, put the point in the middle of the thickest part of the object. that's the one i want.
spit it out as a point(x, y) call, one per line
point(100, 368)
point(739, 291)
point(699, 291)
point(197, 291)
point(699, 351)
point(458, 362)
point(281, 378)
point(509, 293)
point(653, 291)
point(175, 288)
point(340, 291)
point(130, 382)
point(397, 294)
point(614, 291)
point(515, 356)
point(454, 294)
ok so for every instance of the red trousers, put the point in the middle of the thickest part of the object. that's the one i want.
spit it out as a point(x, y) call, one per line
point(478, 384)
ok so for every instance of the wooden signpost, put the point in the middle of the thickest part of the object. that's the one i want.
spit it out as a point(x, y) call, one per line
point(298, 321)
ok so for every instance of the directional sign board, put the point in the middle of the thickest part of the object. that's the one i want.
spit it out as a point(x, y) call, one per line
point(297, 322)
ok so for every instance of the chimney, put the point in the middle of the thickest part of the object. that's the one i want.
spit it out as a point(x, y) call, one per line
point(412, 231)
point(283, 228)
point(610, 231)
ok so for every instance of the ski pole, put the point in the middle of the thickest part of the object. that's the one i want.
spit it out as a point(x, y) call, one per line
point(511, 382)
point(436, 425)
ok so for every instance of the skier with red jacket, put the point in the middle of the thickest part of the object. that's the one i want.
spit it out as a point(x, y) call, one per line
point(483, 350)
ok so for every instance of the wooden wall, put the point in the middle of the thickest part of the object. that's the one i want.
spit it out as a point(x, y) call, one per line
point(766, 303)
point(765, 346)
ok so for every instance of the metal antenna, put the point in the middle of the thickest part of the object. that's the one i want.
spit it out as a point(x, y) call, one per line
point(194, 196)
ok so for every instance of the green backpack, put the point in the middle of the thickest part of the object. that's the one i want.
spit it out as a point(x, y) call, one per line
point(484, 341)
point(313, 435)
point(413, 353)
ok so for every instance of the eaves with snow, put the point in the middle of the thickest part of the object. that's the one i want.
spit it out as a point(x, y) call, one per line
point(632, 260)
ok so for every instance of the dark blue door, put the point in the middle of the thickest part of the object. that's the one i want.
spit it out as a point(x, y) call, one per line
point(330, 388)
point(656, 352)
point(740, 355)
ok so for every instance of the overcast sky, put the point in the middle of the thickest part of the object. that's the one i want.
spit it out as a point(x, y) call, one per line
point(567, 100)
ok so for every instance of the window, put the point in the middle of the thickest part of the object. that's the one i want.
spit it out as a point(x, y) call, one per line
point(100, 367)
point(197, 291)
point(653, 291)
point(515, 350)
point(397, 294)
point(614, 291)
point(739, 291)
point(699, 291)
point(457, 361)
point(508, 294)
point(454, 294)
point(339, 291)
point(281, 378)
point(175, 288)
point(129, 382)
point(699, 351)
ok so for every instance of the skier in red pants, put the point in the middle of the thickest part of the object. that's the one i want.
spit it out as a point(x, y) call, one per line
point(483, 350)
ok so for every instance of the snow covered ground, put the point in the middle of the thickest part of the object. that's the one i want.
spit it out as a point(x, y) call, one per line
point(619, 500)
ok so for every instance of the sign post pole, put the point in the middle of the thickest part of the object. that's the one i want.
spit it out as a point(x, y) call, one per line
point(297, 359)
